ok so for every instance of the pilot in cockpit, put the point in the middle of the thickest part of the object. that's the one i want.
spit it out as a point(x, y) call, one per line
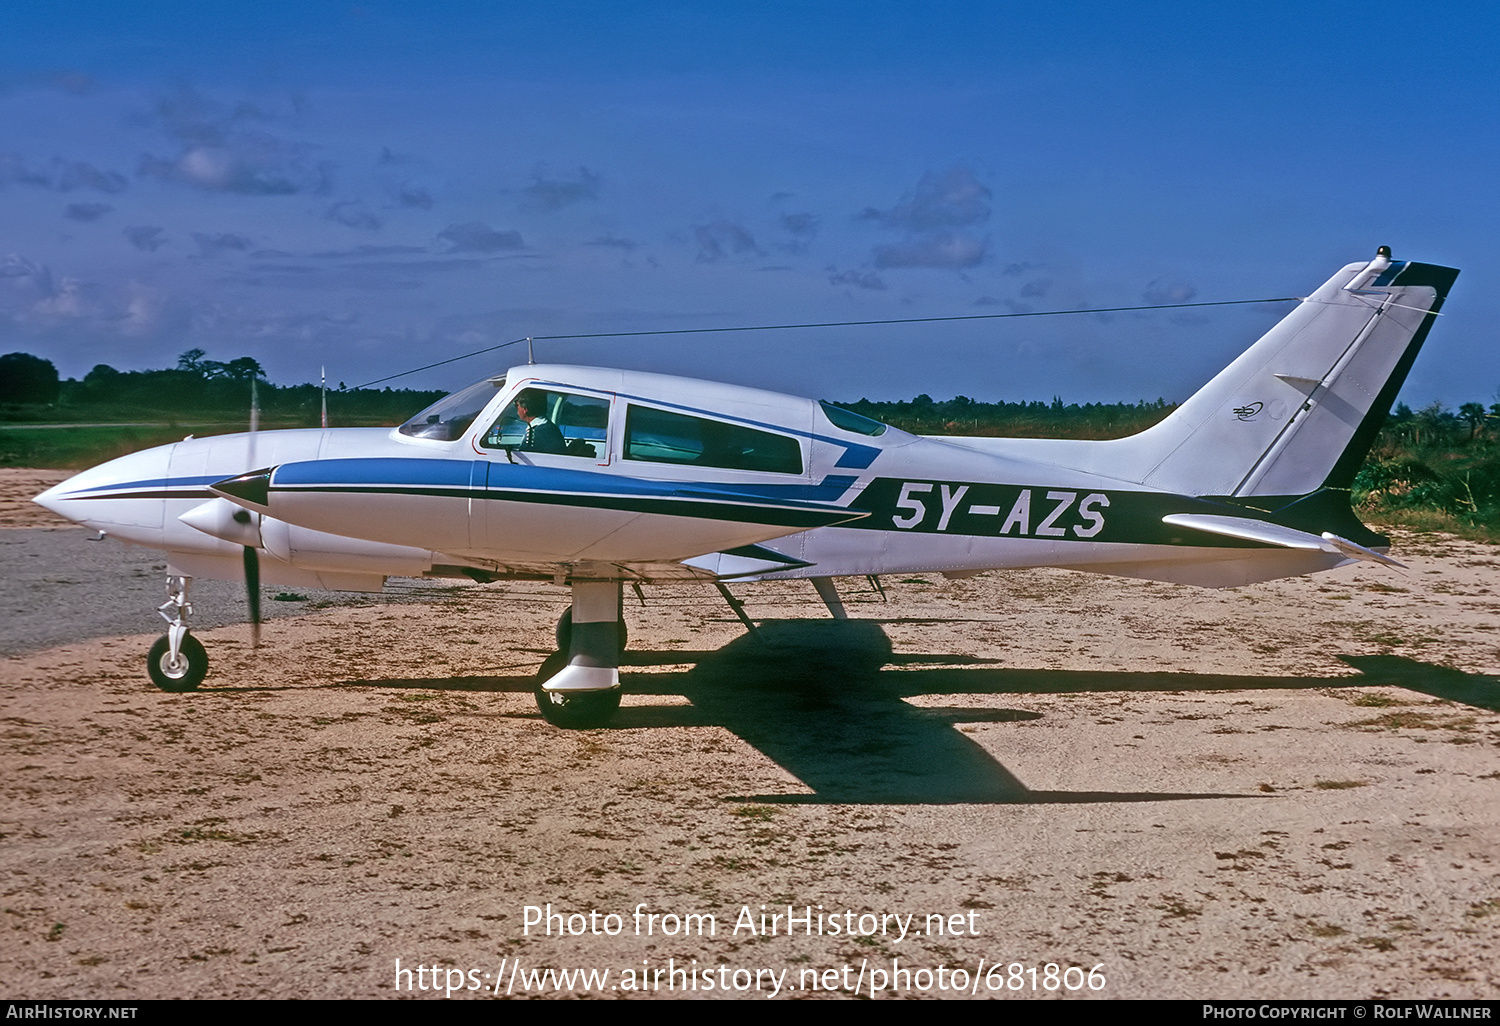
point(541, 434)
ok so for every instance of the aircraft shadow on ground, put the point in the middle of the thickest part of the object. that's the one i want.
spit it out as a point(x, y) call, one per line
point(824, 699)
point(1476, 689)
point(817, 697)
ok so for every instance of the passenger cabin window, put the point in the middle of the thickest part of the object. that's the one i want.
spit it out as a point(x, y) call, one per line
point(657, 436)
point(560, 423)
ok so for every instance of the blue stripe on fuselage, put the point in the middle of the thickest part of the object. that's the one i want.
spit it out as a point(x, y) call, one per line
point(435, 473)
point(399, 472)
point(155, 483)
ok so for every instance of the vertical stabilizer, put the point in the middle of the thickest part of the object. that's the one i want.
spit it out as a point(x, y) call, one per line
point(1300, 408)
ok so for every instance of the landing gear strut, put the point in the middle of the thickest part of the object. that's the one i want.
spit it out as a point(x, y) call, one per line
point(565, 631)
point(177, 662)
point(578, 686)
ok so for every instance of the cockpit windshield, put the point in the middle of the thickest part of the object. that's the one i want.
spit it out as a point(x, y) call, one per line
point(450, 416)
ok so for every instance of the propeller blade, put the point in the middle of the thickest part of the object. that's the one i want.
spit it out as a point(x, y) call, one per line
point(252, 593)
point(252, 558)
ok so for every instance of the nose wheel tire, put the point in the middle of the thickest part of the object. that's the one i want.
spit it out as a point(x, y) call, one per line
point(573, 710)
point(186, 673)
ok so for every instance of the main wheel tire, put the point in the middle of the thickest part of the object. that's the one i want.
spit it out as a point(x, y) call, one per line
point(573, 710)
point(565, 631)
point(183, 675)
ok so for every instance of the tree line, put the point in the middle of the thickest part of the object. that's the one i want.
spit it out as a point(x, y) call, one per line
point(1436, 468)
point(196, 387)
point(964, 416)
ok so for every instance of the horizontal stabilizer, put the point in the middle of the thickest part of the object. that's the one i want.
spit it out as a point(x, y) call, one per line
point(1248, 530)
point(1354, 551)
point(1275, 534)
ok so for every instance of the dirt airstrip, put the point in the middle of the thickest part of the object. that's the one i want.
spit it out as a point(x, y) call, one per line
point(1285, 790)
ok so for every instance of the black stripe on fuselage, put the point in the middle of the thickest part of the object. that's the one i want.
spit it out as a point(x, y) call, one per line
point(990, 510)
point(156, 493)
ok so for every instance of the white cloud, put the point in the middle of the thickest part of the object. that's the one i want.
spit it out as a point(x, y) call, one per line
point(86, 211)
point(933, 249)
point(930, 216)
point(226, 149)
point(147, 237)
point(1169, 290)
point(614, 242)
point(552, 192)
point(59, 175)
point(213, 245)
point(722, 238)
point(478, 237)
point(408, 195)
point(24, 281)
point(353, 214)
point(804, 225)
point(953, 199)
point(859, 279)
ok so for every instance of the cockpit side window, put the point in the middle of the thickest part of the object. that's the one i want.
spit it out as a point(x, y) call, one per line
point(450, 416)
point(660, 436)
point(560, 423)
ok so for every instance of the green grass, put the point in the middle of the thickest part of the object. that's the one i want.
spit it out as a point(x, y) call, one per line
point(77, 448)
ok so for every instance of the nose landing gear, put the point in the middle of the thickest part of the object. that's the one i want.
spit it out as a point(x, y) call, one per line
point(177, 662)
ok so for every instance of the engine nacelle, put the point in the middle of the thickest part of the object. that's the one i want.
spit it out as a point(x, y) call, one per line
point(303, 548)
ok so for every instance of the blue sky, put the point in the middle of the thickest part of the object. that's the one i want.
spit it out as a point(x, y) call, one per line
point(381, 185)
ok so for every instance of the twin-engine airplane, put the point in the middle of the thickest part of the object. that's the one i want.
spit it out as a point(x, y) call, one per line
point(591, 478)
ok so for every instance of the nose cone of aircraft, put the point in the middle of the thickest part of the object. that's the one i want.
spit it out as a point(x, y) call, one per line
point(52, 498)
point(123, 497)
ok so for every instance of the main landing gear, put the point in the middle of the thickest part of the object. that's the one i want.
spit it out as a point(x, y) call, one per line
point(564, 632)
point(177, 662)
point(578, 686)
